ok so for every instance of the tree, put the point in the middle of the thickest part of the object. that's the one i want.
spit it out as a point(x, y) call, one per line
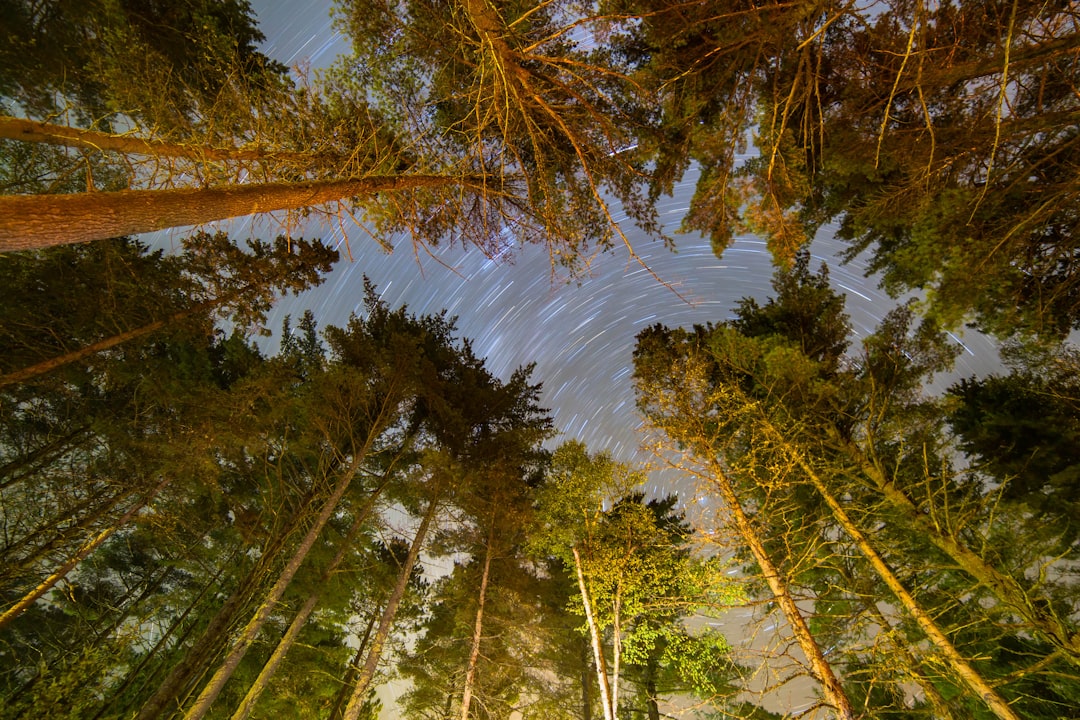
point(214, 276)
point(860, 436)
point(636, 580)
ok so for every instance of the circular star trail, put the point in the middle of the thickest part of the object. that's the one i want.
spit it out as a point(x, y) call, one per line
point(579, 334)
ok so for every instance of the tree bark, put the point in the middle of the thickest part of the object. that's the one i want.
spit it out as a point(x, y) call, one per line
point(478, 625)
point(367, 673)
point(301, 617)
point(31, 222)
point(594, 635)
point(354, 667)
point(48, 583)
point(32, 131)
point(1004, 587)
point(959, 665)
point(819, 666)
point(86, 351)
point(262, 615)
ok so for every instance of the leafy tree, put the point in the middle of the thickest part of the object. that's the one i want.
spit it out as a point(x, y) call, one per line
point(852, 443)
point(636, 581)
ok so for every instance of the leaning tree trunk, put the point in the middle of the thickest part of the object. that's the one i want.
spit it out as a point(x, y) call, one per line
point(367, 672)
point(90, 546)
point(954, 660)
point(262, 615)
point(594, 636)
point(478, 626)
point(30, 222)
point(32, 131)
point(45, 366)
point(301, 617)
point(830, 686)
point(1007, 589)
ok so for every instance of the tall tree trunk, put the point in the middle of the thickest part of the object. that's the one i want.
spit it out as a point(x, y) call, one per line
point(478, 625)
point(262, 615)
point(354, 668)
point(652, 703)
point(301, 617)
point(586, 683)
point(819, 666)
point(45, 366)
point(956, 662)
point(29, 222)
point(1003, 586)
point(594, 636)
point(367, 672)
point(616, 649)
point(111, 704)
point(182, 675)
point(31, 131)
point(90, 546)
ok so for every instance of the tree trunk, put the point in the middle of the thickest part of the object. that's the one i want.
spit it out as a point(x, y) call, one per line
point(586, 684)
point(354, 668)
point(86, 351)
point(367, 673)
point(594, 635)
point(478, 625)
point(955, 661)
point(269, 604)
point(48, 583)
point(111, 704)
point(819, 666)
point(215, 635)
point(29, 222)
point(652, 702)
point(1004, 586)
point(301, 617)
point(32, 131)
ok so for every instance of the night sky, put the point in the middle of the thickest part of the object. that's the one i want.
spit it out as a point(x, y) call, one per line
point(579, 334)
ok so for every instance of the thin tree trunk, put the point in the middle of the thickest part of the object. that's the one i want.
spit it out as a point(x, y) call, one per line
point(594, 636)
point(32, 131)
point(297, 624)
point(354, 668)
point(959, 665)
point(29, 222)
point(269, 604)
point(367, 673)
point(819, 666)
point(652, 705)
point(213, 636)
point(86, 351)
point(478, 625)
point(1002, 585)
point(40, 457)
point(110, 705)
point(586, 683)
point(48, 583)
point(616, 650)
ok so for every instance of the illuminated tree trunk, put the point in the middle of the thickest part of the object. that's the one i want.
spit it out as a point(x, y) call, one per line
point(32, 131)
point(1004, 587)
point(478, 625)
point(30, 222)
point(594, 636)
point(367, 672)
point(86, 351)
point(90, 546)
point(819, 666)
point(301, 617)
point(956, 661)
point(269, 604)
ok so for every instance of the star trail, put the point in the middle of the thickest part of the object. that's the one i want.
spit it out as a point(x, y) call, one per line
point(579, 333)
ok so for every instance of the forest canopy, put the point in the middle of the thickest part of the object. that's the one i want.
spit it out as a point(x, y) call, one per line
point(193, 524)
